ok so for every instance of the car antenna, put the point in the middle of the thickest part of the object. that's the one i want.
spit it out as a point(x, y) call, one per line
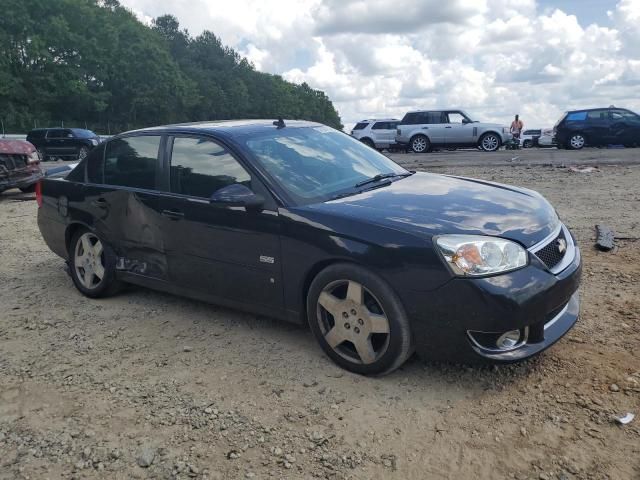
point(279, 123)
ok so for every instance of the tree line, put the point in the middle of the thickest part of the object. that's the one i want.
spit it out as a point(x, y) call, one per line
point(93, 63)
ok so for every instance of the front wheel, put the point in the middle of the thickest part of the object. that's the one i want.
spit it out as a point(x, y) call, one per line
point(576, 141)
point(527, 144)
point(490, 142)
point(358, 320)
point(93, 265)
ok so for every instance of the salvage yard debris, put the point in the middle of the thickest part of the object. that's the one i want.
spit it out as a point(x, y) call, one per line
point(583, 169)
point(605, 238)
point(625, 419)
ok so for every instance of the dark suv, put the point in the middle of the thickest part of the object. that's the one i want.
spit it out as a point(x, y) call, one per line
point(598, 127)
point(63, 142)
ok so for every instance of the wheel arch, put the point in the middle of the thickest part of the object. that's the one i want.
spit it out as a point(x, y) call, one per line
point(489, 132)
point(419, 134)
point(71, 230)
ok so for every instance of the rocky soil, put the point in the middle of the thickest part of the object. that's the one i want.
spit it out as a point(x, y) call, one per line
point(148, 385)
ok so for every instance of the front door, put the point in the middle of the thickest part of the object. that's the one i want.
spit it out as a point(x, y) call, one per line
point(217, 249)
point(624, 127)
point(457, 131)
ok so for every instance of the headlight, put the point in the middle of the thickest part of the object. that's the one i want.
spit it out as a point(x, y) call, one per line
point(94, 142)
point(474, 255)
point(34, 157)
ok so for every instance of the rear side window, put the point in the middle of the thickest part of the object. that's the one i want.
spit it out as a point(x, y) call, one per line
point(59, 133)
point(598, 115)
point(361, 125)
point(201, 167)
point(576, 117)
point(132, 162)
point(95, 165)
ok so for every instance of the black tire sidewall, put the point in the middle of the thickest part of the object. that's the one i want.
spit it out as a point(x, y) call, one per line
point(109, 284)
point(400, 342)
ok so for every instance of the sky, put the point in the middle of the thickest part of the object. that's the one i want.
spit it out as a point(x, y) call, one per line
point(381, 58)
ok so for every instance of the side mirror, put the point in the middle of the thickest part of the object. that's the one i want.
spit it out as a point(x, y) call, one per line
point(465, 121)
point(237, 195)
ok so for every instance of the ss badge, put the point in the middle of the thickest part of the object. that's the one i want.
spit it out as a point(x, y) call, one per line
point(265, 259)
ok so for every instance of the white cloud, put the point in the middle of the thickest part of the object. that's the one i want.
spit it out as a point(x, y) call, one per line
point(380, 58)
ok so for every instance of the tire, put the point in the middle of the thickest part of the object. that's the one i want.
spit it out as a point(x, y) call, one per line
point(576, 141)
point(372, 336)
point(80, 264)
point(420, 144)
point(368, 142)
point(30, 189)
point(82, 153)
point(490, 142)
point(527, 144)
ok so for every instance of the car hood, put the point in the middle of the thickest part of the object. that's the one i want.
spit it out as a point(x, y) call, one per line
point(16, 147)
point(430, 204)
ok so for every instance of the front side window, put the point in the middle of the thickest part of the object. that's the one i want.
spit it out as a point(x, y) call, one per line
point(314, 164)
point(132, 162)
point(58, 133)
point(201, 167)
point(456, 117)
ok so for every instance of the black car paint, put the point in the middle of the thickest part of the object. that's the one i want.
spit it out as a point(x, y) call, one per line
point(263, 261)
point(66, 146)
point(599, 131)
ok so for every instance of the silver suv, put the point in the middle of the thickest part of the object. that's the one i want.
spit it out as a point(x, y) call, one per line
point(377, 134)
point(422, 130)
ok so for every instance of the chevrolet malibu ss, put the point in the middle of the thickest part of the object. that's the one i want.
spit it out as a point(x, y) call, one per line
point(298, 221)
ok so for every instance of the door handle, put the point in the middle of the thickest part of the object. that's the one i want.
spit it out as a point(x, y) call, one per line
point(100, 203)
point(447, 127)
point(173, 214)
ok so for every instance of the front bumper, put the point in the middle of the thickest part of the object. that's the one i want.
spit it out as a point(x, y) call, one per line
point(20, 182)
point(540, 303)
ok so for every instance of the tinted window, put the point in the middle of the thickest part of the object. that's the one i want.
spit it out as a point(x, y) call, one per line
point(361, 126)
point(598, 115)
point(410, 119)
point(624, 115)
point(381, 126)
point(200, 167)
point(132, 162)
point(393, 125)
point(576, 116)
point(95, 163)
point(59, 133)
point(435, 117)
point(36, 134)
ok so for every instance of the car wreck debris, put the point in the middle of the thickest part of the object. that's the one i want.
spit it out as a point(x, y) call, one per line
point(605, 238)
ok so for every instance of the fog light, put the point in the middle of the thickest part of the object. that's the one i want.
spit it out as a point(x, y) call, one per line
point(508, 340)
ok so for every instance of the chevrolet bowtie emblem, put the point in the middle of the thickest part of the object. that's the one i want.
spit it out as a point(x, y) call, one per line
point(561, 243)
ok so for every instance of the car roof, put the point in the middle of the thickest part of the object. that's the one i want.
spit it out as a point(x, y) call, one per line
point(438, 110)
point(229, 128)
point(379, 120)
point(611, 107)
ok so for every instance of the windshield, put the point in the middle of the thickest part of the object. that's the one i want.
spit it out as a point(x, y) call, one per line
point(314, 164)
point(80, 133)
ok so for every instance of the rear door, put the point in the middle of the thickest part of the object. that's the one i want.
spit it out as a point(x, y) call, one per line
point(433, 125)
point(121, 198)
point(213, 248)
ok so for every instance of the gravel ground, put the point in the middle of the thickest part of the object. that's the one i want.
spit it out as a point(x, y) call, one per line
point(148, 385)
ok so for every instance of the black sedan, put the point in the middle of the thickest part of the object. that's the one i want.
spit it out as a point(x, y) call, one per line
point(298, 221)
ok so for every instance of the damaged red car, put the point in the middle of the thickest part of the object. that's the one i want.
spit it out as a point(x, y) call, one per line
point(19, 165)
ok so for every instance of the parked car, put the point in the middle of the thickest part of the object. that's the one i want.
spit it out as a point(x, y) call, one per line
point(298, 221)
point(63, 142)
point(379, 134)
point(422, 130)
point(598, 127)
point(547, 138)
point(529, 138)
point(19, 165)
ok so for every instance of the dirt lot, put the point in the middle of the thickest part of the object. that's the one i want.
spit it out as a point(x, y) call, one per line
point(94, 389)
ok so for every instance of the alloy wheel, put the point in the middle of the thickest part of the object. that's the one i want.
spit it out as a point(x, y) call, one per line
point(352, 321)
point(82, 153)
point(577, 142)
point(89, 261)
point(490, 143)
point(419, 144)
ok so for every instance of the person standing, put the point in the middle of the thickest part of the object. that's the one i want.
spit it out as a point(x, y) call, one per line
point(516, 127)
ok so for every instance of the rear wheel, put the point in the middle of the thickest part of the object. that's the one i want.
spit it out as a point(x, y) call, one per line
point(490, 142)
point(358, 320)
point(420, 144)
point(576, 141)
point(93, 265)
